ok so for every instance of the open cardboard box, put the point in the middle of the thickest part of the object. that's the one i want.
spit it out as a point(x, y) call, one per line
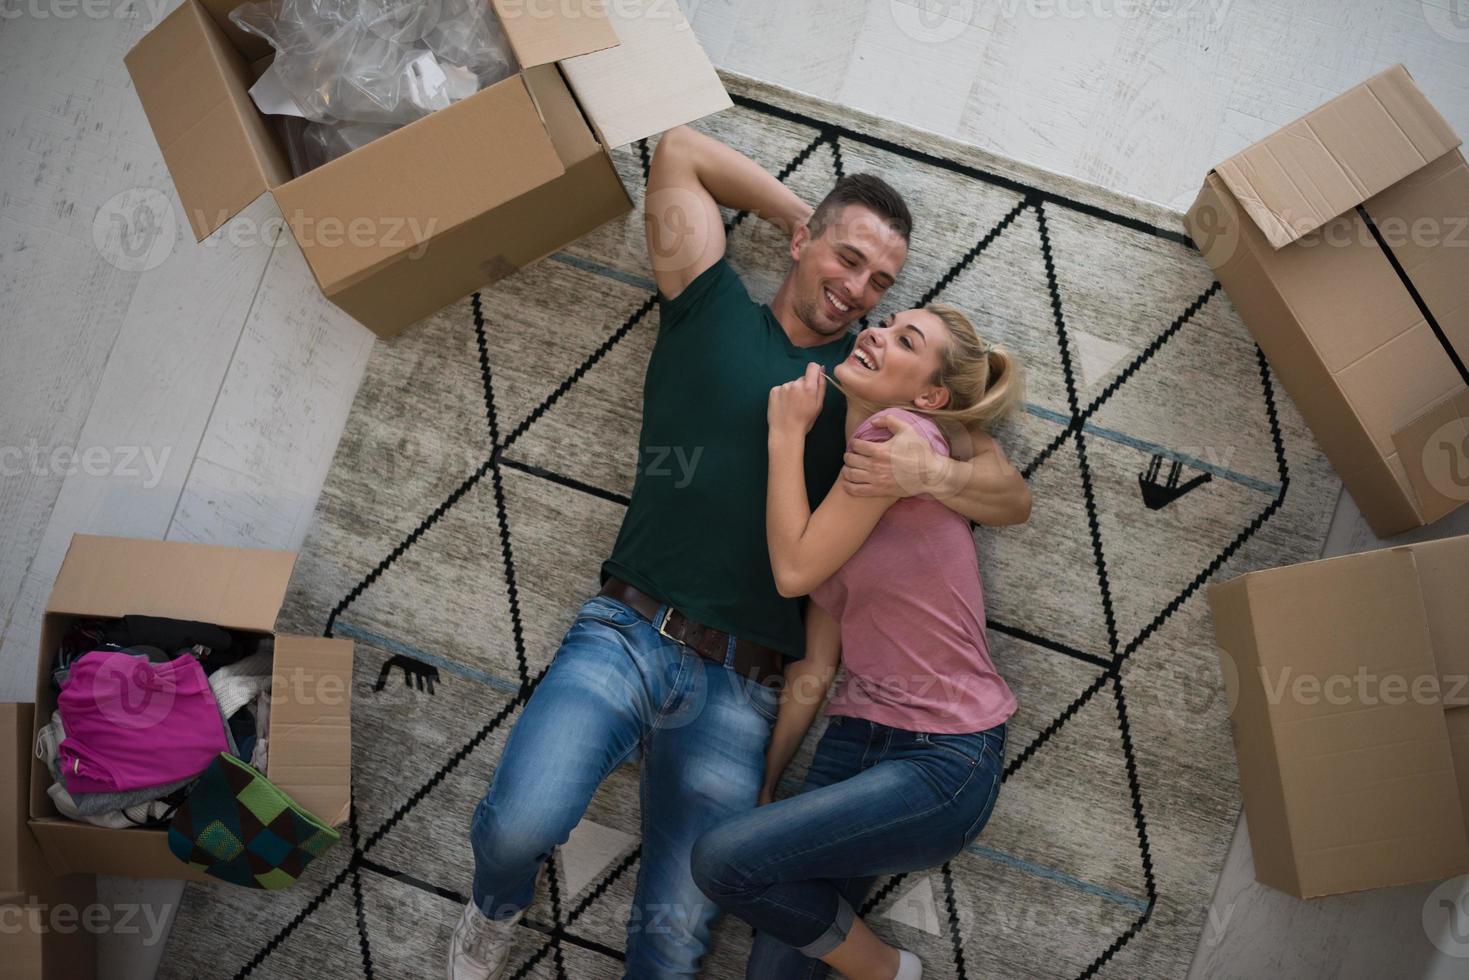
point(1343, 242)
point(427, 214)
point(1349, 684)
point(43, 917)
point(310, 754)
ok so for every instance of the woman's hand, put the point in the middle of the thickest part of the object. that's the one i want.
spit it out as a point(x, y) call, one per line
point(794, 405)
point(766, 797)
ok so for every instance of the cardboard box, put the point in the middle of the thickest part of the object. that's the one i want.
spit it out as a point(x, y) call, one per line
point(1343, 241)
point(25, 865)
point(42, 916)
point(429, 213)
point(1350, 713)
point(310, 755)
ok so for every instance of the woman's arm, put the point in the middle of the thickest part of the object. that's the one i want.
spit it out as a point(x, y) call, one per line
point(806, 682)
point(806, 549)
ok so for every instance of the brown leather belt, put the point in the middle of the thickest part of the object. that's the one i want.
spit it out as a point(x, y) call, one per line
point(761, 664)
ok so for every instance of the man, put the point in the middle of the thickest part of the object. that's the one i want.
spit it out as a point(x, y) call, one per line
point(679, 659)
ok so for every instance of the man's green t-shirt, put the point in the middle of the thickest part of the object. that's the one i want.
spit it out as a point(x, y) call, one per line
point(694, 534)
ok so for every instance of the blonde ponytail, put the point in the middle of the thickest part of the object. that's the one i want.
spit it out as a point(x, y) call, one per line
point(985, 382)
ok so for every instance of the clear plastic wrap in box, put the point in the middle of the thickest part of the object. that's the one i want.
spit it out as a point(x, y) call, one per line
point(356, 69)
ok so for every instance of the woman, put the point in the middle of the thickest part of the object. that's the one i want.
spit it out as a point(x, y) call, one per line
point(909, 766)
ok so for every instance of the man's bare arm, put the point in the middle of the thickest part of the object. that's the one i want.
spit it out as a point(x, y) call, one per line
point(691, 175)
point(987, 489)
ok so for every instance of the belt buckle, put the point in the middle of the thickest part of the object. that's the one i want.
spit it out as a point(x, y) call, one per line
point(663, 622)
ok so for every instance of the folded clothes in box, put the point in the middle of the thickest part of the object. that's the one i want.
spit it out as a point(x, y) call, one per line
point(132, 732)
point(235, 590)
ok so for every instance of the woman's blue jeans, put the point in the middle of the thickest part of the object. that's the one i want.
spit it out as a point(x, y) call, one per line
point(876, 801)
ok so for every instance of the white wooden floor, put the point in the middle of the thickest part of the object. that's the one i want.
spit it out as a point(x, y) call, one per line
point(207, 385)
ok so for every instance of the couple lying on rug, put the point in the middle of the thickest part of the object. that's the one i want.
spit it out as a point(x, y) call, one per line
point(695, 656)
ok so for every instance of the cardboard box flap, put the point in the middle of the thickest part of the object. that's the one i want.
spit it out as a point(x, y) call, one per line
point(1335, 157)
point(239, 588)
point(1457, 720)
point(1431, 450)
point(194, 89)
point(310, 755)
point(25, 871)
point(572, 137)
point(1443, 577)
point(416, 188)
point(252, 46)
point(540, 33)
point(657, 78)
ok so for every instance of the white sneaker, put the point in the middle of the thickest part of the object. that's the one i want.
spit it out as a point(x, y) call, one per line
point(910, 967)
point(481, 945)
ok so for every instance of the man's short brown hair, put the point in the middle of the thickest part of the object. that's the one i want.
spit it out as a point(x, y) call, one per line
point(873, 193)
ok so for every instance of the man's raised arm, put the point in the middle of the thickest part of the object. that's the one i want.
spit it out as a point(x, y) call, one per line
point(691, 175)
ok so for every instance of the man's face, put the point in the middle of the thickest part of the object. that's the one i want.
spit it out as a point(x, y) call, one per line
point(841, 274)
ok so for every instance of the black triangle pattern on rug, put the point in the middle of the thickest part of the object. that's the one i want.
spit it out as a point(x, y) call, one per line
point(554, 940)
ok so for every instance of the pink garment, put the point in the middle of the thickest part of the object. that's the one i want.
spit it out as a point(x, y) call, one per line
point(911, 609)
point(131, 724)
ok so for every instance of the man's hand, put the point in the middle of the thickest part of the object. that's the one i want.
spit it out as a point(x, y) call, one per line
point(793, 406)
point(981, 484)
point(903, 466)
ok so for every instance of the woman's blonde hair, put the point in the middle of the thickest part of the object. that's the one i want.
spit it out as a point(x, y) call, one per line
point(985, 382)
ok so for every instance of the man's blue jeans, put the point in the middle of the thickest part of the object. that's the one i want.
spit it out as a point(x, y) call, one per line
point(877, 801)
point(617, 688)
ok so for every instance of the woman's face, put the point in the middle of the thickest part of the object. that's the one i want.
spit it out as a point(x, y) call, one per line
point(894, 363)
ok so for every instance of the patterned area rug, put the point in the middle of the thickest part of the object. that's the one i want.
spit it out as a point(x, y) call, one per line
point(484, 472)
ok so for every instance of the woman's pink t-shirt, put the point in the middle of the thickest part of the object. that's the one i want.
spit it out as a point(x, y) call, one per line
point(911, 609)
